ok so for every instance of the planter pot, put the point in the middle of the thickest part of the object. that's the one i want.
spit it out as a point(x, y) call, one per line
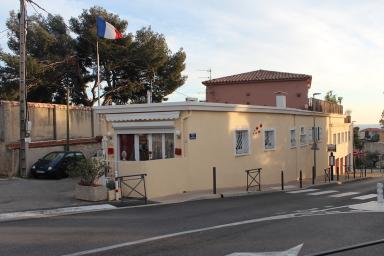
point(91, 193)
point(111, 195)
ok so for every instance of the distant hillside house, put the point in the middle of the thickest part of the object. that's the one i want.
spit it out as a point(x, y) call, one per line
point(262, 88)
point(371, 134)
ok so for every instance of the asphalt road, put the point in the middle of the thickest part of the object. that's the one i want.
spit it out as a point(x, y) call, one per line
point(258, 223)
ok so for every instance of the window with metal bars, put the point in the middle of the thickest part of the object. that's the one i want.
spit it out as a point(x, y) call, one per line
point(242, 142)
point(269, 139)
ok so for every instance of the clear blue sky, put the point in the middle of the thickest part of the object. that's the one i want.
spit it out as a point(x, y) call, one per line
point(339, 43)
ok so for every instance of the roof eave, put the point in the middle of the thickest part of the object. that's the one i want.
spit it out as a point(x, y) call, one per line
point(208, 83)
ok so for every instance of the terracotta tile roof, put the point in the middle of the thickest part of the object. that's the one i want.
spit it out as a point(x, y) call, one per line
point(258, 76)
point(371, 130)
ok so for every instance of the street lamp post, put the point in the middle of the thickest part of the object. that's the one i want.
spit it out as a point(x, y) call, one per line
point(314, 146)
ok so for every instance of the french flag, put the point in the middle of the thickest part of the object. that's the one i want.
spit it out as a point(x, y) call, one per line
point(106, 30)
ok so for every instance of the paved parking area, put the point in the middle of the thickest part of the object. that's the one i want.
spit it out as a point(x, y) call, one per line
point(18, 194)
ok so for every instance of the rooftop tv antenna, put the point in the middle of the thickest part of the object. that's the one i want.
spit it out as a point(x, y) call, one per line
point(209, 71)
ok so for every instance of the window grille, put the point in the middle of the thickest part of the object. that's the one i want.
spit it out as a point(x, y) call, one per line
point(303, 136)
point(293, 138)
point(269, 139)
point(242, 142)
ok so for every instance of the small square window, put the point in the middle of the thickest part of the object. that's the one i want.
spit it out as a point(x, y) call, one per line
point(269, 139)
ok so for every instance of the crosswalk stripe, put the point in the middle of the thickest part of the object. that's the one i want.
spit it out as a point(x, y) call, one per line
point(345, 194)
point(364, 197)
point(323, 192)
point(302, 191)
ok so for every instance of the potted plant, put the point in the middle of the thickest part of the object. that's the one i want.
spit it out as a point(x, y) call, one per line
point(111, 189)
point(89, 171)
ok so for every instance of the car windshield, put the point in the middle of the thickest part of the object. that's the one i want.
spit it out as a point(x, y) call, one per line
point(54, 156)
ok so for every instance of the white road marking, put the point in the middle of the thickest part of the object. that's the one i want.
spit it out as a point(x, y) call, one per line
point(251, 221)
point(323, 192)
point(302, 191)
point(372, 206)
point(53, 212)
point(345, 194)
point(285, 187)
point(290, 252)
point(365, 197)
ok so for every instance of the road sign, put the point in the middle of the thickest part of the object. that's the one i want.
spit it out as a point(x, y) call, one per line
point(331, 147)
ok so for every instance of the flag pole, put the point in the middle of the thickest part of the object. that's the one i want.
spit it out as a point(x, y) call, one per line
point(98, 71)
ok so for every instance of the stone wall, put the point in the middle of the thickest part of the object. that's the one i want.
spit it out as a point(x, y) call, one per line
point(49, 127)
point(374, 147)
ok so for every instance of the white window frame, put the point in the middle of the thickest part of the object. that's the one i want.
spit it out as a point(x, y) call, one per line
point(235, 142)
point(274, 141)
point(290, 138)
point(310, 135)
point(149, 132)
point(319, 134)
point(302, 133)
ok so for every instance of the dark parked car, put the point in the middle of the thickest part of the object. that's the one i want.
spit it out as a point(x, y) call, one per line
point(54, 164)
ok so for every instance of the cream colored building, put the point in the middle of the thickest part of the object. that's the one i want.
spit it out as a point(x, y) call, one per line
point(178, 144)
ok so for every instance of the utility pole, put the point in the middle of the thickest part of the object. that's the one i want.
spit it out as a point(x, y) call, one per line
point(67, 144)
point(149, 91)
point(23, 153)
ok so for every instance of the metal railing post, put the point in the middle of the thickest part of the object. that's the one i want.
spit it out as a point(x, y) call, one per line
point(145, 188)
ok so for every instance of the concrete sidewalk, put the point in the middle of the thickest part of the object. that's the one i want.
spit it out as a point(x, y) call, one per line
point(40, 195)
point(17, 194)
point(242, 191)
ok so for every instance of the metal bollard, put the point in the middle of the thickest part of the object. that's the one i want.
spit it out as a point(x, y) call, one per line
point(380, 199)
point(354, 173)
point(214, 180)
point(282, 180)
point(313, 175)
point(365, 172)
point(301, 179)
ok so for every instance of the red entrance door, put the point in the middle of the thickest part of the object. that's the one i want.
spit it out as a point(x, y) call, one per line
point(341, 166)
point(336, 166)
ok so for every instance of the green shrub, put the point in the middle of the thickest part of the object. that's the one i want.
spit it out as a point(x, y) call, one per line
point(110, 184)
point(89, 170)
